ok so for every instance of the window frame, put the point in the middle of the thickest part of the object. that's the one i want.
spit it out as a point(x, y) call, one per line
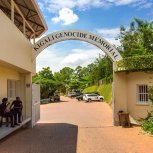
point(12, 88)
point(142, 94)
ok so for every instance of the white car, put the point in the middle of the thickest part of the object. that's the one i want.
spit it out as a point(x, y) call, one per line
point(92, 97)
point(71, 94)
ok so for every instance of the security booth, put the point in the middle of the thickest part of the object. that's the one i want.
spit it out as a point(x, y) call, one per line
point(20, 22)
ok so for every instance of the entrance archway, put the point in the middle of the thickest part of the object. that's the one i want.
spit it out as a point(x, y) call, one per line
point(89, 37)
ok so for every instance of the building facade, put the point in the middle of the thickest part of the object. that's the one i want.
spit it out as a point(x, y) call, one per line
point(131, 94)
point(20, 22)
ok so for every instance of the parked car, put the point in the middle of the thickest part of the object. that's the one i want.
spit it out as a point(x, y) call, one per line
point(80, 97)
point(71, 94)
point(45, 101)
point(92, 97)
point(56, 97)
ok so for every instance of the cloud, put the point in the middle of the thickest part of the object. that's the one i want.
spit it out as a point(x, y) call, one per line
point(48, 58)
point(81, 57)
point(122, 2)
point(143, 4)
point(51, 58)
point(110, 35)
point(54, 6)
point(105, 32)
point(66, 16)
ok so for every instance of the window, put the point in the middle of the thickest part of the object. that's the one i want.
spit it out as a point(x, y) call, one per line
point(12, 88)
point(142, 94)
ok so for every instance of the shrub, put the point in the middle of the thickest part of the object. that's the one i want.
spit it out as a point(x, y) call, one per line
point(91, 89)
point(147, 123)
point(135, 63)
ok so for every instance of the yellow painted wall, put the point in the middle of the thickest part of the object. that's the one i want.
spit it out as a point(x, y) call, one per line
point(6, 74)
point(9, 74)
point(14, 46)
point(126, 93)
point(136, 110)
point(120, 94)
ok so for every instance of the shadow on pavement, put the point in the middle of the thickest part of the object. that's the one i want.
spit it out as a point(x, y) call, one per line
point(61, 101)
point(43, 138)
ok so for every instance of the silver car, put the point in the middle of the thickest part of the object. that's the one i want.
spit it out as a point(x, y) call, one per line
point(92, 97)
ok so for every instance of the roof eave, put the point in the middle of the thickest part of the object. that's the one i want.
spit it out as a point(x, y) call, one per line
point(40, 15)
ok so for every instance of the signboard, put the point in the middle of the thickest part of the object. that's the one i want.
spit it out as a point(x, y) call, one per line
point(76, 35)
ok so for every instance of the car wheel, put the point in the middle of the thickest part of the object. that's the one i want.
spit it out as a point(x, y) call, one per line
point(101, 99)
point(89, 100)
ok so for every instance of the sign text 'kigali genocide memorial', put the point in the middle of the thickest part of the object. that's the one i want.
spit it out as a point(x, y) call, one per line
point(77, 35)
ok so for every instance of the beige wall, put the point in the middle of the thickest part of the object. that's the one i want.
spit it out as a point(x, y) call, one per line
point(120, 96)
point(126, 93)
point(9, 74)
point(15, 62)
point(136, 110)
point(28, 95)
point(15, 48)
point(6, 74)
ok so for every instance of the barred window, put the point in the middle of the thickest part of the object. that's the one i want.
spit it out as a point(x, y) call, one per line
point(142, 94)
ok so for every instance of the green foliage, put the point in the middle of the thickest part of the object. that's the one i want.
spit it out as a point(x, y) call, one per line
point(107, 80)
point(151, 94)
point(138, 39)
point(46, 80)
point(103, 68)
point(63, 79)
point(135, 63)
point(106, 91)
point(90, 89)
point(147, 123)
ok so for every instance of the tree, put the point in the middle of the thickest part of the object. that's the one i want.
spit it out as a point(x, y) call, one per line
point(138, 40)
point(104, 67)
point(47, 82)
point(63, 78)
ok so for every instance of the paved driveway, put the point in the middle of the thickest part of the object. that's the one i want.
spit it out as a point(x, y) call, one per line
point(77, 127)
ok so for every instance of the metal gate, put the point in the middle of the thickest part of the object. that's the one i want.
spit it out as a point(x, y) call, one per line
point(35, 104)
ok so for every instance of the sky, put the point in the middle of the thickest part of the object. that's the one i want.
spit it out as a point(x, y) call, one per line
point(101, 17)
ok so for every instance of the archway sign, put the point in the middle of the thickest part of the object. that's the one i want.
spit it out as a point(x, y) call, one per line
point(77, 35)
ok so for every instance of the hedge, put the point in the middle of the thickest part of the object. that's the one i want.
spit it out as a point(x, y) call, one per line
point(135, 63)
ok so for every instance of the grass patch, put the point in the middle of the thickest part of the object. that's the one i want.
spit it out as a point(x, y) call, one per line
point(90, 89)
point(106, 91)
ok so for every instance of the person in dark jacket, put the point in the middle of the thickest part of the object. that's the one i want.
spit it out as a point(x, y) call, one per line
point(5, 113)
point(17, 106)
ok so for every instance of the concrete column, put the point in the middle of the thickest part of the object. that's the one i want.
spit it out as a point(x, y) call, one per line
point(120, 94)
point(28, 95)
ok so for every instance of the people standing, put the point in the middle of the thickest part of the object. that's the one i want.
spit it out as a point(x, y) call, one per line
point(17, 106)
